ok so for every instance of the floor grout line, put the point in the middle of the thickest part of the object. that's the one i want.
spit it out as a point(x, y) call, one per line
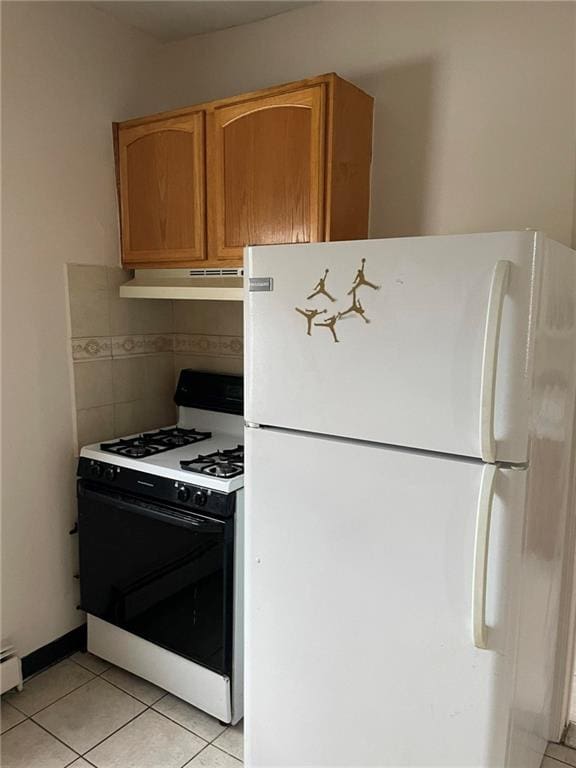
point(227, 753)
point(565, 746)
point(561, 760)
point(115, 731)
point(147, 707)
point(167, 717)
point(211, 744)
point(15, 724)
point(80, 754)
point(58, 739)
point(561, 744)
point(119, 688)
point(153, 705)
point(196, 755)
point(186, 728)
point(105, 679)
point(225, 750)
point(55, 700)
point(98, 674)
point(81, 758)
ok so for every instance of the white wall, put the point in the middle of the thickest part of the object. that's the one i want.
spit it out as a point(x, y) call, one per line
point(67, 73)
point(474, 113)
point(574, 117)
point(474, 131)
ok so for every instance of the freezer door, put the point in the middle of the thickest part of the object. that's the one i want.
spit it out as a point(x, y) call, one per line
point(420, 342)
point(360, 642)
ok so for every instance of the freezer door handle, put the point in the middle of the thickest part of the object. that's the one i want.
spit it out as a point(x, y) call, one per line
point(498, 288)
point(482, 543)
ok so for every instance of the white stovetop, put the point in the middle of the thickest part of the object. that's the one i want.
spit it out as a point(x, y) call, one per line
point(167, 463)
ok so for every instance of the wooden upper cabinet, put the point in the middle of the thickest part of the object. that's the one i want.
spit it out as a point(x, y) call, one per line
point(162, 191)
point(289, 164)
point(266, 172)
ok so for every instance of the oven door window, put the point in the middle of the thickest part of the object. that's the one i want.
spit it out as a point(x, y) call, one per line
point(158, 572)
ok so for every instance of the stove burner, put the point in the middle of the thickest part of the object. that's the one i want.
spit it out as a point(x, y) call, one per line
point(223, 470)
point(151, 443)
point(137, 452)
point(176, 440)
point(226, 463)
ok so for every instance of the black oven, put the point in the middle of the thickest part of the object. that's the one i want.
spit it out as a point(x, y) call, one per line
point(157, 569)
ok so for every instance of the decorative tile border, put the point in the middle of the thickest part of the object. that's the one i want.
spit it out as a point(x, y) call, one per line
point(232, 345)
point(198, 344)
point(104, 347)
point(91, 349)
point(149, 344)
point(204, 344)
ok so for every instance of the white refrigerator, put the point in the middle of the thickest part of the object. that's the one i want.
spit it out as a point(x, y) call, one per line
point(410, 412)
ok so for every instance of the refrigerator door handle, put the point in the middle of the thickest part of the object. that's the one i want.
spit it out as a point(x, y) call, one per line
point(481, 545)
point(498, 287)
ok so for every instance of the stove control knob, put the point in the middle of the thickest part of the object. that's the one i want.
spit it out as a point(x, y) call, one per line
point(96, 470)
point(109, 473)
point(200, 498)
point(183, 493)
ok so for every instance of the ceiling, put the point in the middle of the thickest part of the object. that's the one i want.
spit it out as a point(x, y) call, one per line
point(169, 20)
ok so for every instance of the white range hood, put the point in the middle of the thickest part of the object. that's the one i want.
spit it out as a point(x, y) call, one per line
point(199, 284)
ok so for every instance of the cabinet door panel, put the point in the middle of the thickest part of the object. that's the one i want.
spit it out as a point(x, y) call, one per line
point(266, 160)
point(162, 191)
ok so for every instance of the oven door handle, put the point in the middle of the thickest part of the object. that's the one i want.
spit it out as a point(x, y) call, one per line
point(163, 512)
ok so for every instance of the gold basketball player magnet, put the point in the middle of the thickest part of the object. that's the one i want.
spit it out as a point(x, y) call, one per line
point(354, 310)
point(320, 288)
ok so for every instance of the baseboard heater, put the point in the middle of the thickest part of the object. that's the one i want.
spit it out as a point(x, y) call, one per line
point(10, 668)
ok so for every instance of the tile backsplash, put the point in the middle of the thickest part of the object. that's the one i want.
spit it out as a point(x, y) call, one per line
point(127, 353)
point(208, 336)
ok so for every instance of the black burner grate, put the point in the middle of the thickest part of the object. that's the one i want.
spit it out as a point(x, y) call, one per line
point(225, 464)
point(151, 443)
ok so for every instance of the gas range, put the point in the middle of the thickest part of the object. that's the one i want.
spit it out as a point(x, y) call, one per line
point(214, 462)
point(160, 523)
point(205, 448)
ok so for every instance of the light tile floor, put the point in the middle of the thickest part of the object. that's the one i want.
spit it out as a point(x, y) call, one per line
point(84, 712)
point(561, 755)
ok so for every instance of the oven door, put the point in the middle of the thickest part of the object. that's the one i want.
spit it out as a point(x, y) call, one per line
point(160, 572)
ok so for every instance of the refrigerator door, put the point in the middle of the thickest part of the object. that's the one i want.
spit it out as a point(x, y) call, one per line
point(360, 628)
point(437, 356)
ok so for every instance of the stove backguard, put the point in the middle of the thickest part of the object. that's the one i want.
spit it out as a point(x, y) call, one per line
point(218, 392)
